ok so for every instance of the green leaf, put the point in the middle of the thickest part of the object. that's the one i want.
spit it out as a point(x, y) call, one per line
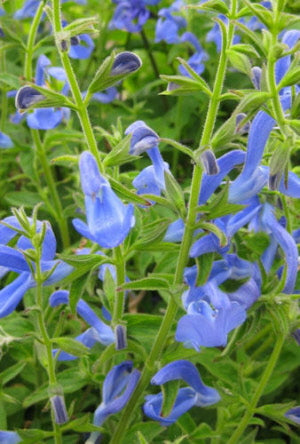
point(239, 61)
point(11, 372)
point(217, 6)
point(181, 85)
point(246, 49)
point(10, 80)
point(212, 228)
point(70, 379)
point(184, 149)
point(170, 392)
point(143, 327)
point(219, 205)
point(90, 260)
point(28, 199)
point(76, 291)
point(120, 153)
point(126, 193)
point(149, 429)
point(33, 436)
point(175, 194)
point(152, 282)
point(151, 232)
point(71, 346)
point(203, 431)
point(81, 425)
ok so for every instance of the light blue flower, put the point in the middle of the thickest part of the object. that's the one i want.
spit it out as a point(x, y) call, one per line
point(5, 141)
point(117, 389)
point(7, 437)
point(198, 394)
point(99, 331)
point(13, 259)
point(169, 23)
point(108, 219)
point(293, 414)
point(81, 48)
point(131, 15)
point(196, 61)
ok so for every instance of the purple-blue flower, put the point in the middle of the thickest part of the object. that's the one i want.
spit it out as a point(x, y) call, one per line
point(109, 220)
point(7, 437)
point(5, 141)
point(117, 389)
point(131, 15)
point(196, 61)
point(294, 414)
point(169, 23)
point(212, 313)
point(144, 139)
point(13, 259)
point(99, 331)
point(30, 6)
point(197, 394)
point(82, 47)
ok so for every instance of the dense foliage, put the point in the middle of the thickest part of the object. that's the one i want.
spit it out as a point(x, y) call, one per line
point(149, 221)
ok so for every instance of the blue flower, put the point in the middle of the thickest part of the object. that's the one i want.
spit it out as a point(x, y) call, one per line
point(279, 236)
point(108, 219)
point(81, 48)
point(100, 332)
point(197, 59)
point(293, 414)
point(5, 141)
point(212, 313)
point(169, 24)
point(9, 437)
point(13, 259)
point(30, 7)
point(198, 394)
point(131, 15)
point(254, 177)
point(144, 139)
point(117, 389)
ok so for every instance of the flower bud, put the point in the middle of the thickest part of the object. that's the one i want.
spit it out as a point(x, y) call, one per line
point(59, 409)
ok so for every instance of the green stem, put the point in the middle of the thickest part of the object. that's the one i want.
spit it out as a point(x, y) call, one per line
point(47, 343)
point(235, 438)
point(30, 42)
point(76, 93)
point(171, 311)
point(3, 94)
point(59, 214)
point(119, 301)
point(40, 151)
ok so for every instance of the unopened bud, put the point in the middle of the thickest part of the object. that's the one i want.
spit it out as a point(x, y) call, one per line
point(59, 409)
point(209, 163)
point(121, 337)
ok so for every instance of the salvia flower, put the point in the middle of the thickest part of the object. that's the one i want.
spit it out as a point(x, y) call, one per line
point(13, 259)
point(117, 389)
point(197, 394)
point(279, 236)
point(294, 414)
point(7, 437)
point(5, 141)
point(212, 313)
point(169, 23)
point(131, 15)
point(196, 61)
point(144, 139)
point(100, 332)
point(81, 47)
point(108, 219)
